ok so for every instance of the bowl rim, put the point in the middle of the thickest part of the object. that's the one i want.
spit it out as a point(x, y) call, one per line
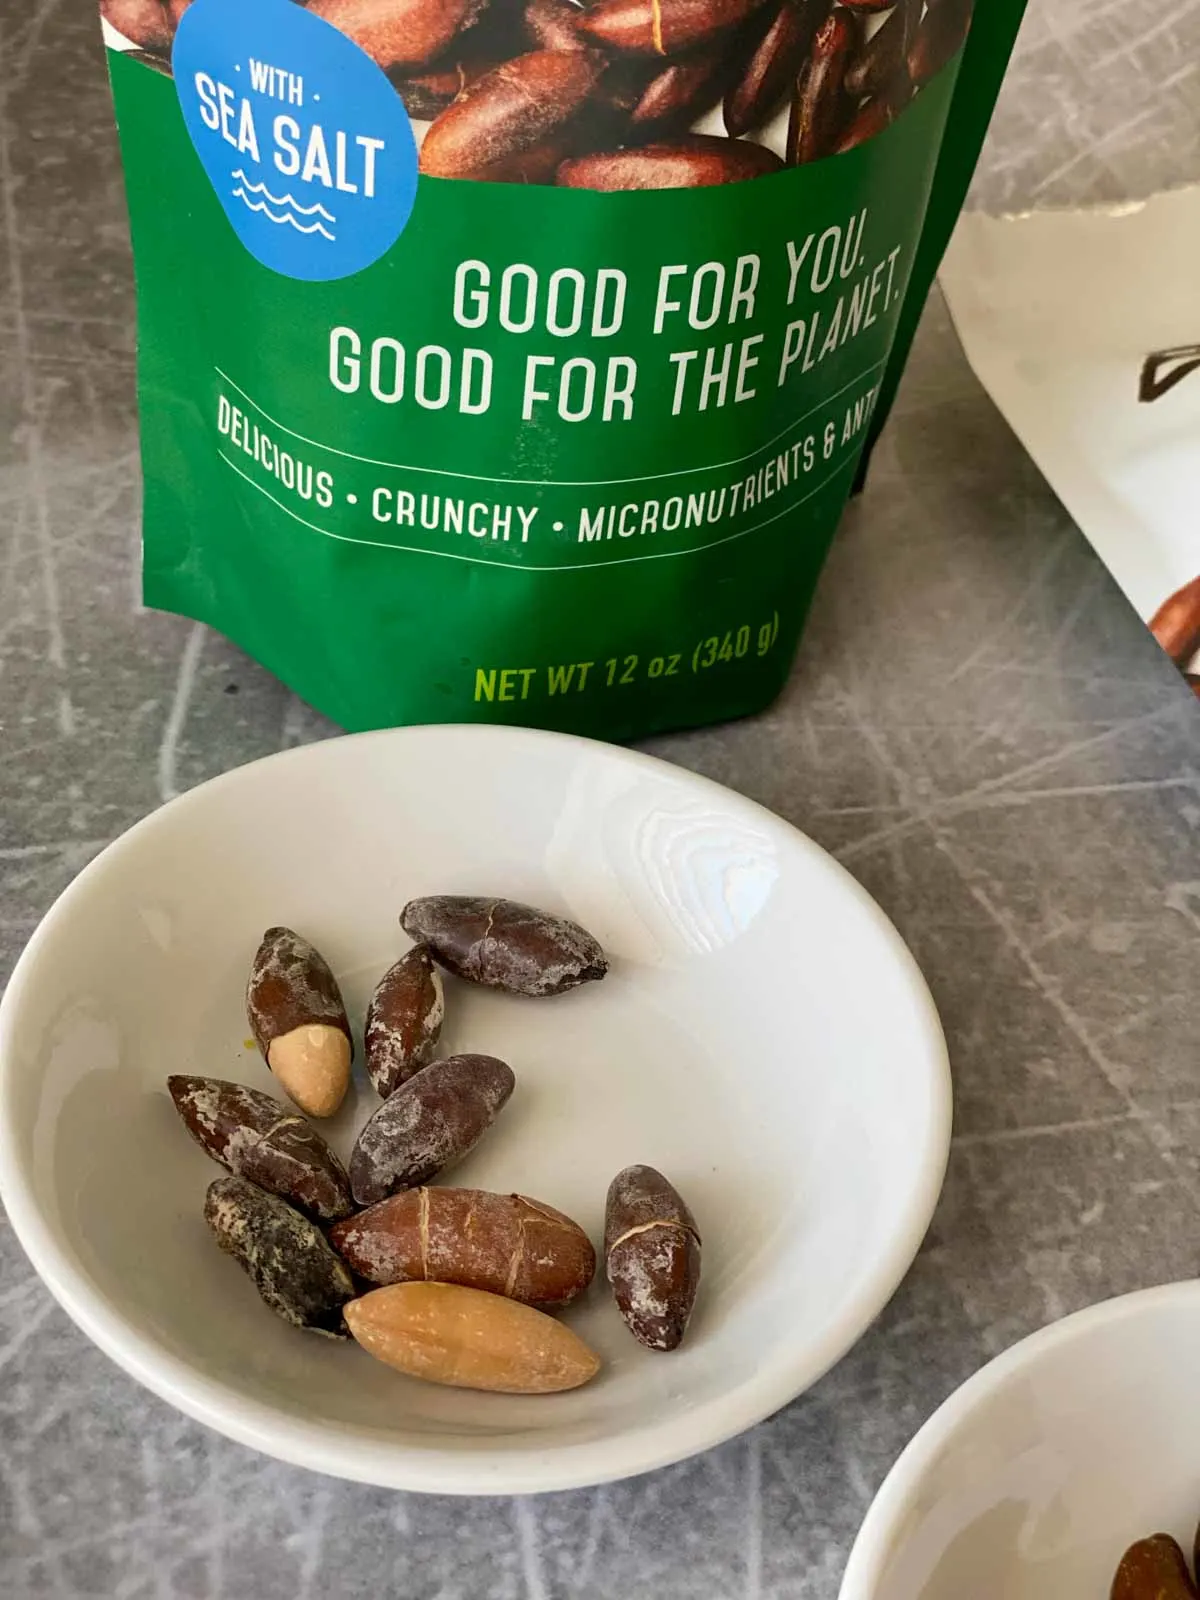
point(875, 1539)
point(487, 1470)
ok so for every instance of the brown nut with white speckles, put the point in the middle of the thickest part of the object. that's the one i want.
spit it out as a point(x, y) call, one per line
point(680, 91)
point(1153, 1569)
point(431, 1121)
point(400, 33)
point(521, 103)
point(938, 39)
point(652, 1256)
point(773, 65)
point(503, 1243)
point(471, 1340)
point(662, 27)
point(426, 95)
point(689, 163)
point(881, 66)
point(299, 1021)
point(504, 945)
point(554, 24)
point(287, 1257)
point(819, 106)
point(258, 1138)
point(404, 1021)
point(142, 22)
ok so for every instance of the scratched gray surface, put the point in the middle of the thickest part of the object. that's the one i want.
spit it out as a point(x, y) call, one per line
point(977, 726)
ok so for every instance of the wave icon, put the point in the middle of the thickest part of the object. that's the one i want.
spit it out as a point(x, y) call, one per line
point(294, 210)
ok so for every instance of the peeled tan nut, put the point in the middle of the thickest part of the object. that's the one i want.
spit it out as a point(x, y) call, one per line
point(313, 1065)
point(503, 944)
point(404, 1020)
point(652, 1256)
point(504, 1243)
point(257, 1137)
point(470, 1340)
point(299, 1021)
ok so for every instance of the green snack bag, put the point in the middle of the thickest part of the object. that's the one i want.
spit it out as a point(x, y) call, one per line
point(512, 360)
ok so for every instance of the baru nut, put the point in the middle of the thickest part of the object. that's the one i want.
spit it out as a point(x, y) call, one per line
point(430, 1122)
point(538, 164)
point(871, 118)
point(426, 95)
point(773, 65)
point(651, 1255)
point(258, 1138)
point(818, 114)
point(680, 91)
point(504, 1243)
point(938, 37)
point(471, 1340)
point(698, 160)
point(553, 24)
point(881, 65)
point(404, 1020)
point(400, 33)
point(662, 27)
point(1153, 1569)
point(519, 104)
point(142, 22)
point(1176, 623)
point(505, 945)
point(287, 1257)
point(299, 1021)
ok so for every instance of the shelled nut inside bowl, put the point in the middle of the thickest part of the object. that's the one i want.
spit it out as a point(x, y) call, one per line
point(762, 1036)
point(1034, 1478)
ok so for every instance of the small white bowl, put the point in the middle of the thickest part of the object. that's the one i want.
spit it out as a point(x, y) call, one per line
point(1033, 1479)
point(764, 1038)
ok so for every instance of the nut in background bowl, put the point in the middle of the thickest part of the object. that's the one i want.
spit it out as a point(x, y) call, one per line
point(1031, 1481)
point(763, 1037)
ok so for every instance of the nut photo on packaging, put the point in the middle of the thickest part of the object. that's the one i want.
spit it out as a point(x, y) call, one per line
point(691, 163)
point(555, 92)
point(503, 944)
point(444, 1333)
point(287, 1257)
point(506, 1244)
point(259, 1139)
point(773, 66)
point(665, 262)
point(820, 102)
point(145, 23)
point(299, 1022)
point(519, 104)
point(404, 1020)
point(400, 33)
point(652, 1256)
point(429, 1123)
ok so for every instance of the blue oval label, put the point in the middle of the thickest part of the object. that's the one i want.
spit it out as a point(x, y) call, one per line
point(305, 141)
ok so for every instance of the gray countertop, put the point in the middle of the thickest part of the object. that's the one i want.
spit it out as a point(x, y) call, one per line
point(977, 726)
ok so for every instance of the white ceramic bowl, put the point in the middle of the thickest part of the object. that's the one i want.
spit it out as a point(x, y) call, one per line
point(763, 1037)
point(1034, 1477)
